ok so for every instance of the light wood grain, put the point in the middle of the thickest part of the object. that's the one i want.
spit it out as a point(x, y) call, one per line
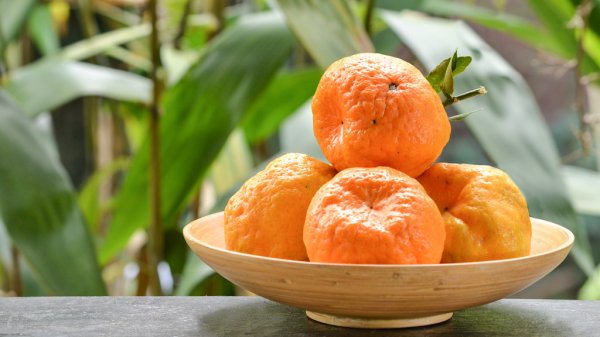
point(379, 291)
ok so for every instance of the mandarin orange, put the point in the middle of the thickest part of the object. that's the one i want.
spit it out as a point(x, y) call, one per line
point(266, 216)
point(485, 213)
point(375, 110)
point(373, 216)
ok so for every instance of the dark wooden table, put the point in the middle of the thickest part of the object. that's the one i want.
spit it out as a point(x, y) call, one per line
point(254, 316)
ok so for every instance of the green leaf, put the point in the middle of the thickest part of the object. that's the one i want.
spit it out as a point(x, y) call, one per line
point(41, 30)
point(520, 28)
point(590, 291)
point(104, 42)
point(48, 84)
point(39, 208)
point(14, 13)
point(447, 85)
point(5, 256)
point(293, 134)
point(89, 196)
point(233, 164)
point(194, 272)
point(200, 112)
point(461, 116)
point(584, 188)
point(555, 16)
point(512, 131)
point(439, 75)
point(462, 62)
point(328, 30)
point(286, 93)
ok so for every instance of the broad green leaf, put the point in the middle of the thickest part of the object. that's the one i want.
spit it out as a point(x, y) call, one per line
point(200, 112)
point(48, 84)
point(176, 62)
point(13, 15)
point(136, 62)
point(231, 168)
point(286, 93)
point(42, 31)
point(39, 209)
point(590, 290)
point(233, 164)
point(194, 272)
point(583, 186)
point(519, 27)
point(329, 30)
point(89, 196)
point(555, 16)
point(4, 253)
point(103, 42)
point(510, 128)
point(297, 134)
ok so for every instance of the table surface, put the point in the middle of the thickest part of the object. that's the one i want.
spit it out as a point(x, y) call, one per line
point(255, 316)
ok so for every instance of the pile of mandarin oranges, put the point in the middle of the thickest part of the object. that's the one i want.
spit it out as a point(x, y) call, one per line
point(382, 200)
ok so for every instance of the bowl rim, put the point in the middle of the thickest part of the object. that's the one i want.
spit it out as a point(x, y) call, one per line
point(189, 237)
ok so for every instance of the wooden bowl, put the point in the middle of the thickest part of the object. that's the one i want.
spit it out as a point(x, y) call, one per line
point(379, 296)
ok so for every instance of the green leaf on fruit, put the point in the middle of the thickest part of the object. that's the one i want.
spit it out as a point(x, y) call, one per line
point(442, 76)
point(462, 116)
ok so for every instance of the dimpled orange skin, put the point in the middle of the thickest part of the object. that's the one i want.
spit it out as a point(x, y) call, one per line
point(485, 213)
point(375, 110)
point(373, 216)
point(266, 216)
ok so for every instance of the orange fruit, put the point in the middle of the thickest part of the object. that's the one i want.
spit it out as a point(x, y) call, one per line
point(375, 110)
point(373, 216)
point(485, 213)
point(266, 216)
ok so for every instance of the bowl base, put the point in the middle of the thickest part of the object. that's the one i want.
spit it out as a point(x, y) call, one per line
point(375, 323)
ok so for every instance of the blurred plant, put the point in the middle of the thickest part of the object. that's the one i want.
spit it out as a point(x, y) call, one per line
point(196, 94)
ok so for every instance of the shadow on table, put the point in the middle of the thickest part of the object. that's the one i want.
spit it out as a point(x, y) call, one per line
point(273, 319)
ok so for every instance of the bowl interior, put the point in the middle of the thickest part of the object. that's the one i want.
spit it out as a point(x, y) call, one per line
point(546, 236)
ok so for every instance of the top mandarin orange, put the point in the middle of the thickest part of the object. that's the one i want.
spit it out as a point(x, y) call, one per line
point(376, 110)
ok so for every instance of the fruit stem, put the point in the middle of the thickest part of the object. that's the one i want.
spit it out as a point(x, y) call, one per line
point(472, 93)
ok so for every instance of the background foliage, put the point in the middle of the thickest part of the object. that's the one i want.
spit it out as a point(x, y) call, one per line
point(236, 78)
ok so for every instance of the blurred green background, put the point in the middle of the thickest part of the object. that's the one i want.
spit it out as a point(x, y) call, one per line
point(123, 120)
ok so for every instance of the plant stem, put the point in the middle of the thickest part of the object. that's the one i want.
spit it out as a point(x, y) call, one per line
point(369, 16)
point(142, 278)
point(182, 24)
point(3, 57)
point(217, 8)
point(472, 93)
point(155, 233)
point(16, 271)
point(585, 134)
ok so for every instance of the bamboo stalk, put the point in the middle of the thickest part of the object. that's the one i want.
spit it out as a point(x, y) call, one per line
point(6, 67)
point(15, 279)
point(183, 22)
point(217, 8)
point(155, 233)
point(369, 16)
point(585, 133)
